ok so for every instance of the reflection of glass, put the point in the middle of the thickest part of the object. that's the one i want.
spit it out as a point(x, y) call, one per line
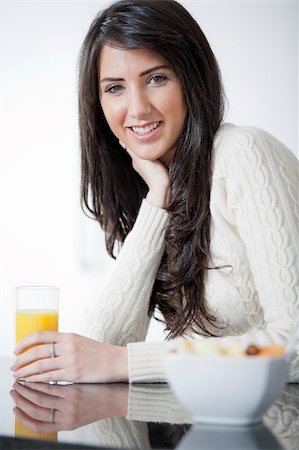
point(20, 430)
point(36, 309)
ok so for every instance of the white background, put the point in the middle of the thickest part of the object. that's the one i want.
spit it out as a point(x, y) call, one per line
point(44, 236)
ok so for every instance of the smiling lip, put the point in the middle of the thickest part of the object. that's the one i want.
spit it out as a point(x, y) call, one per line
point(149, 135)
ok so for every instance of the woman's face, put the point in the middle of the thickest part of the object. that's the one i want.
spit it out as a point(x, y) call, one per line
point(142, 100)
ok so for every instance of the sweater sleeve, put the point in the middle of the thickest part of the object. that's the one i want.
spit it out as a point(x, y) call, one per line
point(119, 313)
point(155, 403)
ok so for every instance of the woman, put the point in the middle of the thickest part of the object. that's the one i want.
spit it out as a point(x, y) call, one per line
point(205, 210)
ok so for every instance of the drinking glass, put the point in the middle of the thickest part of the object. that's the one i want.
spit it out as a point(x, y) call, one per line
point(36, 309)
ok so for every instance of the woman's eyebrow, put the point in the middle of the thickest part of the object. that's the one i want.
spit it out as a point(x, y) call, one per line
point(145, 72)
point(161, 66)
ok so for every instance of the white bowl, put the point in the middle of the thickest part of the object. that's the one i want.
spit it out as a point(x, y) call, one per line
point(226, 390)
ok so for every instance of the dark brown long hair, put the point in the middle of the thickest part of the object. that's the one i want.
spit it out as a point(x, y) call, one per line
point(110, 188)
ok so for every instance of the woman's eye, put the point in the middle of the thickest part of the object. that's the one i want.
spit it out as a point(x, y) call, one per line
point(158, 79)
point(115, 89)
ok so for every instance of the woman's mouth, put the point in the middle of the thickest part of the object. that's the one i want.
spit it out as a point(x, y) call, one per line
point(146, 132)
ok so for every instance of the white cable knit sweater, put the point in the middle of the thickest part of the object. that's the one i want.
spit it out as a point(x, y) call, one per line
point(254, 229)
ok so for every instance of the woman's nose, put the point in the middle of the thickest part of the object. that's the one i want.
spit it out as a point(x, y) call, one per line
point(139, 105)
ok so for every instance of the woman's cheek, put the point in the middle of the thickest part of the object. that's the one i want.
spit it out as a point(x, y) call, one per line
point(115, 122)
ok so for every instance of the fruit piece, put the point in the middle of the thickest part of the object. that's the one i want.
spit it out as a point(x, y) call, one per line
point(233, 349)
point(271, 351)
point(252, 350)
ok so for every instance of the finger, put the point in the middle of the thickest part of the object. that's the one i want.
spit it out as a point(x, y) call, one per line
point(47, 377)
point(40, 337)
point(38, 398)
point(36, 426)
point(32, 410)
point(33, 354)
point(38, 367)
point(49, 389)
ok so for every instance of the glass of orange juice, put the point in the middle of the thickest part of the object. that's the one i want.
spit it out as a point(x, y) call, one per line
point(36, 309)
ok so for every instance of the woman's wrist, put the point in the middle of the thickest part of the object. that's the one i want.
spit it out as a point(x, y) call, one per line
point(158, 198)
point(120, 366)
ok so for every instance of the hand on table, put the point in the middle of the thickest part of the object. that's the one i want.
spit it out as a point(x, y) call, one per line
point(78, 359)
point(46, 409)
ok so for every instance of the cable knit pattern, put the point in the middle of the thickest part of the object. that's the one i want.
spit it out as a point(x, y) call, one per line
point(118, 315)
point(283, 418)
point(254, 233)
point(117, 432)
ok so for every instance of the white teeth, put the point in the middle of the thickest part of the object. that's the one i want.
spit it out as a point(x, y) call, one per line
point(145, 130)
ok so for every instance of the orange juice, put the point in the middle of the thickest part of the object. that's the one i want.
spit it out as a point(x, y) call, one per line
point(30, 320)
point(24, 432)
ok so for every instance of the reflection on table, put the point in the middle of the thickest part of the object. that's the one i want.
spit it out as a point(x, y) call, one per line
point(145, 416)
point(23, 431)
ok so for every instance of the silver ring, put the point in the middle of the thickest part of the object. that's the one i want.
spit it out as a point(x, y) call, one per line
point(53, 354)
point(52, 415)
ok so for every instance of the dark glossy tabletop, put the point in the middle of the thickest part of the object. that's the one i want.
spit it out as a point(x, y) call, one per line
point(134, 417)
